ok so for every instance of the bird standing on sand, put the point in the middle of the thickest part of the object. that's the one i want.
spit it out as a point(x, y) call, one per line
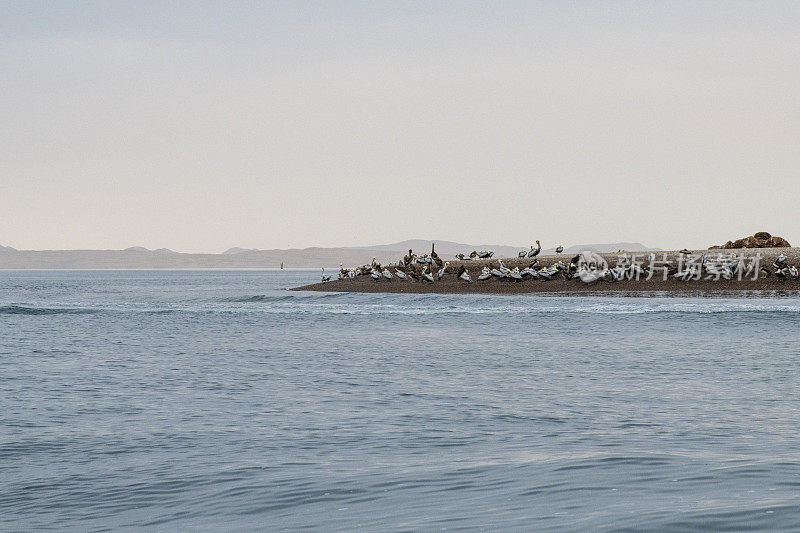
point(463, 274)
point(435, 256)
point(535, 251)
point(407, 260)
point(426, 276)
point(387, 274)
point(325, 278)
point(485, 274)
point(440, 274)
point(559, 249)
point(375, 274)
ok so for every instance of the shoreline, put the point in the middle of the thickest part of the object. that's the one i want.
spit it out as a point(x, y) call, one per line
point(770, 286)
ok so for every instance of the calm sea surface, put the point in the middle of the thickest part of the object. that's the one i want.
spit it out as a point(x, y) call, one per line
point(208, 401)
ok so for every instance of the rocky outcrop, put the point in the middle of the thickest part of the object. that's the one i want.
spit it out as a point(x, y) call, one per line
point(762, 239)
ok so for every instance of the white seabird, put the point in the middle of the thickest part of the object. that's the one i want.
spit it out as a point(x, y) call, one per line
point(440, 274)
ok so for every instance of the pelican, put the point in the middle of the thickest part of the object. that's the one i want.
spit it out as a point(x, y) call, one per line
point(559, 249)
point(497, 273)
point(434, 256)
point(535, 251)
point(486, 273)
point(387, 274)
point(793, 272)
point(325, 278)
point(548, 273)
point(352, 273)
point(407, 260)
point(440, 274)
point(523, 253)
point(529, 271)
point(485, 254)
point(504, 269)
point(426, 276)
point(399, 273)
point(375, 274)
point(463, 274)
point(515, 275)
point(342, 271)
point(375, 264)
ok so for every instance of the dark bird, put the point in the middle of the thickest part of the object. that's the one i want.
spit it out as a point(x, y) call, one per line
point(559, 249)
point(325, 278)
point(435, 256)
point(535, 251)
point(463, 274)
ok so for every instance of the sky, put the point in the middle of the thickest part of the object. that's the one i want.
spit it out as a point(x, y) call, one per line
point(199, 126)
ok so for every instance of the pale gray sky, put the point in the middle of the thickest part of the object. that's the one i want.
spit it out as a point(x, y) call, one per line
point(203, 125)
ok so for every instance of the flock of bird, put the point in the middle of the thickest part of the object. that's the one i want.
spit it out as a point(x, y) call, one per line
point(430, 268)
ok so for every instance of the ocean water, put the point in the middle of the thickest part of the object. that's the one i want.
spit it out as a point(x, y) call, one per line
point(208, 401)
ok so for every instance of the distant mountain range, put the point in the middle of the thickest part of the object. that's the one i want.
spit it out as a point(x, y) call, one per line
point(137, 257)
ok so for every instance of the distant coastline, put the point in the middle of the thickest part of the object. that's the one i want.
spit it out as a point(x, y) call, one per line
point(139, 258)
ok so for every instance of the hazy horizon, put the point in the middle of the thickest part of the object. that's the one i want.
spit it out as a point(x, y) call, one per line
point(200, 126)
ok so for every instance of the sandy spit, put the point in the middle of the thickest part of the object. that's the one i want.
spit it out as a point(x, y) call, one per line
point(450, 284)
